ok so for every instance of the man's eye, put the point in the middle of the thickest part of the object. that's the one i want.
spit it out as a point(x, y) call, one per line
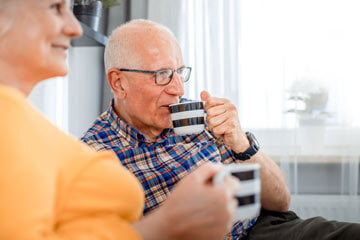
point(164, 73)
point(180, 70)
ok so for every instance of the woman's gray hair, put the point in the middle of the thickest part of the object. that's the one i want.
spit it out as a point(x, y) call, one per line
point(7, 15)
point(120, 50)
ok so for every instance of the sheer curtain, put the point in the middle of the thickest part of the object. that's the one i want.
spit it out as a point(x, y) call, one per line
point(306, 45)
point(292, 69)
point(51, 99)
point(208, 34)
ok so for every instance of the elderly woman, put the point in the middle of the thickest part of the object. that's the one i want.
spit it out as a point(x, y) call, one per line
point(54, 187)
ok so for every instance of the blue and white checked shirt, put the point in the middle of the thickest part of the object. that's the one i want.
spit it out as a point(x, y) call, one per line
point(161, 164)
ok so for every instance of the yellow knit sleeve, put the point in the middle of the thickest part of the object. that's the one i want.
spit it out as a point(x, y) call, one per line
point(103, 201)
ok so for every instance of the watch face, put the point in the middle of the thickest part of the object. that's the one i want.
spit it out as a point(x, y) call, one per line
point(251, 151)
point(253, 141)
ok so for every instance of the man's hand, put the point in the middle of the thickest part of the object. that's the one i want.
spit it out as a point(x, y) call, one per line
point(222, 119)
point(196, 209)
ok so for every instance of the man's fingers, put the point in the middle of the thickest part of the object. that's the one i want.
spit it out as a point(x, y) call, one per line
point(204, 95)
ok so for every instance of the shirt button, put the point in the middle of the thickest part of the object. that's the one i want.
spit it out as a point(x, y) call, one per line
point(187, 139)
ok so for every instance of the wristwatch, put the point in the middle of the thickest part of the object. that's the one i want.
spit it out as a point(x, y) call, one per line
point(251, 151)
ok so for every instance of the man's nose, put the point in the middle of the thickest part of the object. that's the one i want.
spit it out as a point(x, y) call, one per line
point(176, 86)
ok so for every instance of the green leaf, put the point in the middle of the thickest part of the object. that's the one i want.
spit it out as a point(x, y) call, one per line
point(110, 3)
point(105, 3)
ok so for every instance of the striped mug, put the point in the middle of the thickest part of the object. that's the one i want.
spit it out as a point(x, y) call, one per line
point(248, 197)
point(188, 117)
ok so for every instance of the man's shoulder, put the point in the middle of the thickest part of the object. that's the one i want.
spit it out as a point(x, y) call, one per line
point(100, 131)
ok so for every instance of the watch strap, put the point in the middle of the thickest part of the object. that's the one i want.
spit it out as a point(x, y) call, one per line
point(251, 151)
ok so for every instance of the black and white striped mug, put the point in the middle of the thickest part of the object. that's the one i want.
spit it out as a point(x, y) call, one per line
point(188, 117)
point(248, 197)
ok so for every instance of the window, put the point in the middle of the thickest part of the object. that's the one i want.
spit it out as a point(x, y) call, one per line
point(50, 98)
point(292, 69)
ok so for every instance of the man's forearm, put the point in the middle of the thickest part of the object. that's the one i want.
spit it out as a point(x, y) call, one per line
point(275, 195)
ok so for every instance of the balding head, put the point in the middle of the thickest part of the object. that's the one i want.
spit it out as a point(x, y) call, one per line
point(130, 43)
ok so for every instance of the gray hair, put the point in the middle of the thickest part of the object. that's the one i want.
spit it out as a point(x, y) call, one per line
point(120, 50)
point(7, 8)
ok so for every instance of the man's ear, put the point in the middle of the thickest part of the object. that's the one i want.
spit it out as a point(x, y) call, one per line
point(117, 83)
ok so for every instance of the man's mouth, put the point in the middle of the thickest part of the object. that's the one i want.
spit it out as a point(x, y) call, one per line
point(165, 107)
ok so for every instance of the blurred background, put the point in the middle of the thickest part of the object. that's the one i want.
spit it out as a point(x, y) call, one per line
point(292, 67)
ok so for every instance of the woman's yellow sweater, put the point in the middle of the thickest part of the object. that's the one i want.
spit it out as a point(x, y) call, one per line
point(54, 187)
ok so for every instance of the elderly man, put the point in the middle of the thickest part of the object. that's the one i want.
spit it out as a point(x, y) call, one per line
point(146, 73)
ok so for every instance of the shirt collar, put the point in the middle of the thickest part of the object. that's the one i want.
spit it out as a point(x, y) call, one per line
point(130, 133)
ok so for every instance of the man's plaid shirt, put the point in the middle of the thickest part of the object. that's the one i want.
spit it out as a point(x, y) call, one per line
point(161, 164)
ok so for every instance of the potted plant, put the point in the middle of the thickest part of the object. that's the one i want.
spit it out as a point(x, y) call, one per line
point(90, 11)
point(308, 100)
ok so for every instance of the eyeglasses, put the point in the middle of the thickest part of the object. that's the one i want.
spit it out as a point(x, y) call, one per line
point(164, 76)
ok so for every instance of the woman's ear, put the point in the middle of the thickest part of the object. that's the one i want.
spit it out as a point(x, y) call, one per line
point(116, 81)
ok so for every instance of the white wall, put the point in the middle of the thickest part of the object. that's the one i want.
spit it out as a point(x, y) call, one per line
point(84, 88)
